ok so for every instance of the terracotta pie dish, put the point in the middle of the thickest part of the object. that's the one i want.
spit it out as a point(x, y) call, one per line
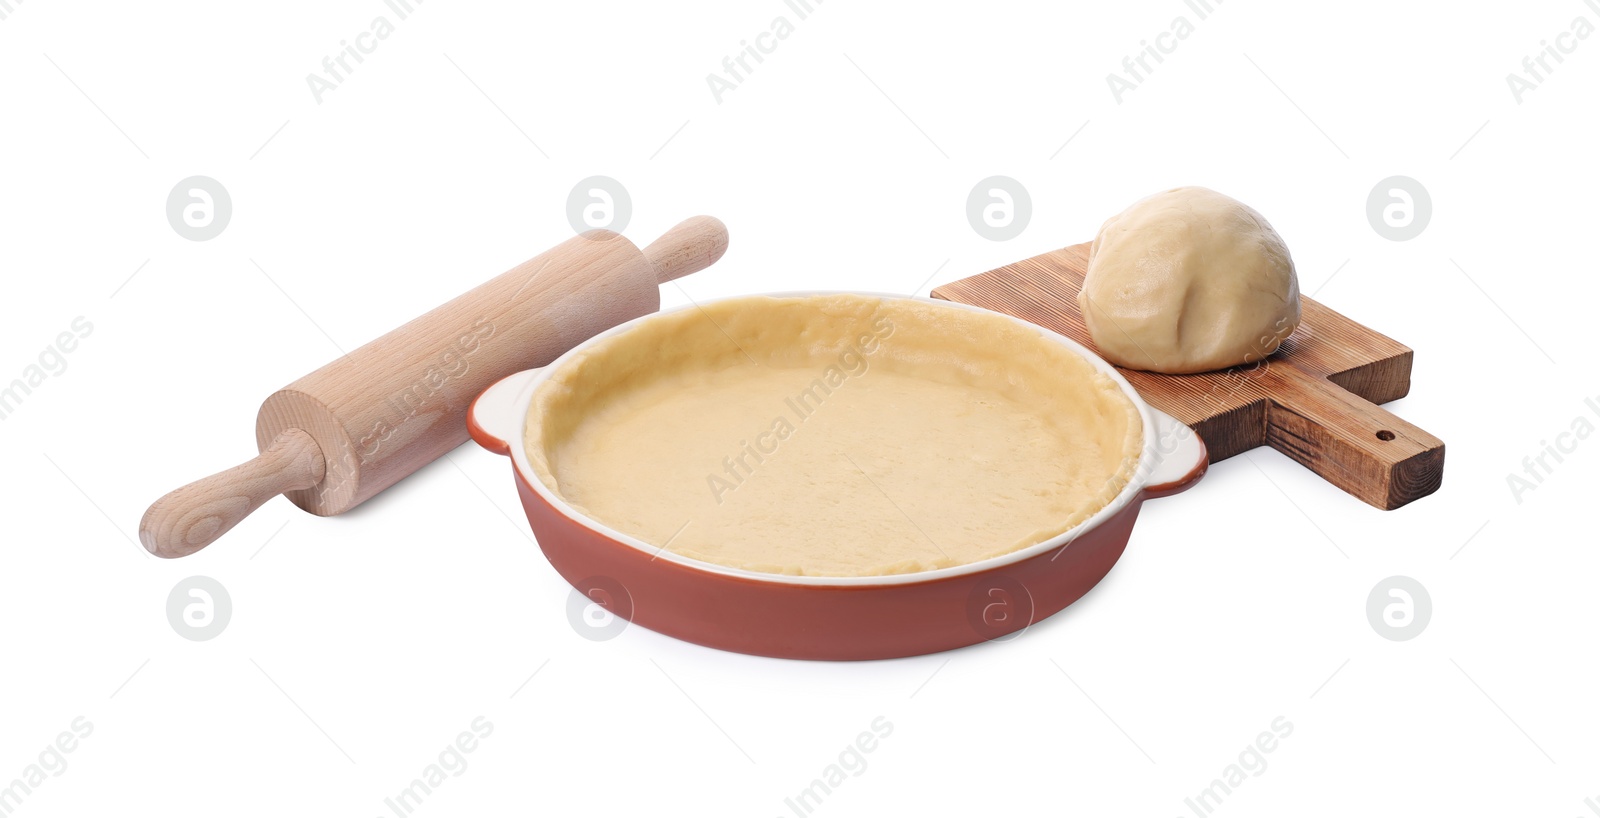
point(833, 475)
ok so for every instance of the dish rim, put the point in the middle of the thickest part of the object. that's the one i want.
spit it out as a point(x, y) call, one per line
point(1149, 456)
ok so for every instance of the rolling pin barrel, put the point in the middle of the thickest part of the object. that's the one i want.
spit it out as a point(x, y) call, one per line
point(340, 435)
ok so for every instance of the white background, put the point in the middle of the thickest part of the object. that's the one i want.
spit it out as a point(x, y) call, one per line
point(361, 645)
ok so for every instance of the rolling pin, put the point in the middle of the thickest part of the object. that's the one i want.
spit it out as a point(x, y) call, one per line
point(333, 439)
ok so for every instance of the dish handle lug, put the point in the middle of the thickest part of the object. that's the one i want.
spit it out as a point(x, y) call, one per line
point(1180, 457)
point(493, 420)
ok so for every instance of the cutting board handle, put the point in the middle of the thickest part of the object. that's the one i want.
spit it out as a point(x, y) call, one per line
point(194, 516)
point(1350, 441)
point(690, 246)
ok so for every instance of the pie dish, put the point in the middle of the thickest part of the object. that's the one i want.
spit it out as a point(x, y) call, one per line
point(837, 435)
point(832, 475)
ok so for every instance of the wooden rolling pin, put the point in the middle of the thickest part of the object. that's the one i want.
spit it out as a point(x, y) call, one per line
point(355, 427)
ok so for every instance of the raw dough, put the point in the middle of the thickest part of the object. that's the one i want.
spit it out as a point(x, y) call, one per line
point(836, 435)
point(1189, 280)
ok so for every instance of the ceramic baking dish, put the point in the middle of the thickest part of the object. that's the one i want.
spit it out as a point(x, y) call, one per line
point(830, 617)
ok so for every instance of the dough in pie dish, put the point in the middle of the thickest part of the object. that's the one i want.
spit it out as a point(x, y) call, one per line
point(833, 435)
point(1189, 280)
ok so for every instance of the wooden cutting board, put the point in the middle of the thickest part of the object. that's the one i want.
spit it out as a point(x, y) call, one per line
point(1316, 400)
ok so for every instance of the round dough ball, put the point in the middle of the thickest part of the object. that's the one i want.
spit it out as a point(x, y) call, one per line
point(1189, 280)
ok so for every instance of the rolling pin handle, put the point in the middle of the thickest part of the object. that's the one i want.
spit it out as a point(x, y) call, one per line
point(194, 516)
point(693, 245)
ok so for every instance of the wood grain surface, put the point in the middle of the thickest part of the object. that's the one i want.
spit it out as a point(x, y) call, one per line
point(1316, 399)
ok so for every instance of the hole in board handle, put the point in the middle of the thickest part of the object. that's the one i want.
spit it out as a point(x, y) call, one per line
point(1385, 434)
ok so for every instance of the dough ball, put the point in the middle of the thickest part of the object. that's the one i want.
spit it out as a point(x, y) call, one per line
point(1189, 280)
